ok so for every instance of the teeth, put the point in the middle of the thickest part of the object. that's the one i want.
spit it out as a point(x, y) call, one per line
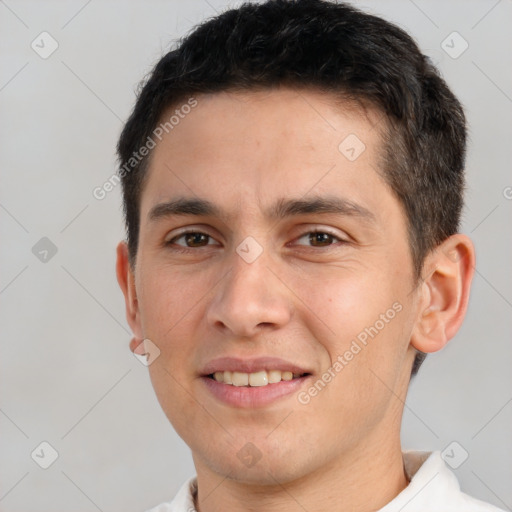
point(256, 379)
point(274, 376)
point(240, 379)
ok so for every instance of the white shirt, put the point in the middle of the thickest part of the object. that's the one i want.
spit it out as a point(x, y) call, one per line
point(432, 488)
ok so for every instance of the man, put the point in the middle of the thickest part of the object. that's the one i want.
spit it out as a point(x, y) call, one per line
point(292, 178)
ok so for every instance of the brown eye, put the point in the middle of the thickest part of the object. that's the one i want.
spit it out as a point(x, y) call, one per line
point(191, 240)
point(319, 239)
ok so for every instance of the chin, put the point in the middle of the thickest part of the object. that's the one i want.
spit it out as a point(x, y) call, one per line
point(254, 466)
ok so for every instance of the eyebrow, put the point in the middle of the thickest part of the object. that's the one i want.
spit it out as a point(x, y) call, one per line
point(281, 209)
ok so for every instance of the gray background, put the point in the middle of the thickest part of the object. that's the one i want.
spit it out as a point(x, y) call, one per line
point(67, 374)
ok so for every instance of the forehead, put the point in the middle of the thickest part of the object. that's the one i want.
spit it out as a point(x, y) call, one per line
point(244, 149)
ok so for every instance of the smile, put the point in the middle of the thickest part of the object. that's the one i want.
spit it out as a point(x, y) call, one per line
point(255, 379)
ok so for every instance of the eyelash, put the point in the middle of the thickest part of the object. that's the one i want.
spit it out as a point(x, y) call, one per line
point(181, 248)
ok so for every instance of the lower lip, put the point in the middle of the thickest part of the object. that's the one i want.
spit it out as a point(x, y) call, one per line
point(251, 397)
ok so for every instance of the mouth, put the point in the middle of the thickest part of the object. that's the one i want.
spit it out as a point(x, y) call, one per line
point(253, 383)
point(255, 379)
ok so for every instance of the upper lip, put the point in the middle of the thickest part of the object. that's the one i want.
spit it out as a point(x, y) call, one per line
point(233, 364)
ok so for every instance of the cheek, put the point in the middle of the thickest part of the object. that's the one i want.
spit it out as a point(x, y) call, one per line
point(367, 335)
point(348, 305)
point(172, 308)
point(167, 296)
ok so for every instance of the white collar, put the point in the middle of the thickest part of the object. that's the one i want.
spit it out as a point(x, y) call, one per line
point(432, 487)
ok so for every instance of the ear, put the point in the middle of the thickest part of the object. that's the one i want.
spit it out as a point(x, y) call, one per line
point(444, 293)
point(126, 280)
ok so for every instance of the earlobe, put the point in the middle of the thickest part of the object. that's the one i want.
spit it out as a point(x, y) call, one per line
point(126, 280)
point(445, 290)
point(134, 343)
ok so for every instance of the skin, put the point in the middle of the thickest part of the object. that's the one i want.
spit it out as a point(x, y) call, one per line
point(302, 300)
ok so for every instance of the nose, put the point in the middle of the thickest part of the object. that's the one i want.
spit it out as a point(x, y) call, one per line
point(250, 299)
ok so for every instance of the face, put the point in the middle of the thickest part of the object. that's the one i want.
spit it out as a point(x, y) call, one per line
point(269, 244)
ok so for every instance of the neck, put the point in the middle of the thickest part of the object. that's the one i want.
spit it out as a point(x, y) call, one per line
point(365, 480)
